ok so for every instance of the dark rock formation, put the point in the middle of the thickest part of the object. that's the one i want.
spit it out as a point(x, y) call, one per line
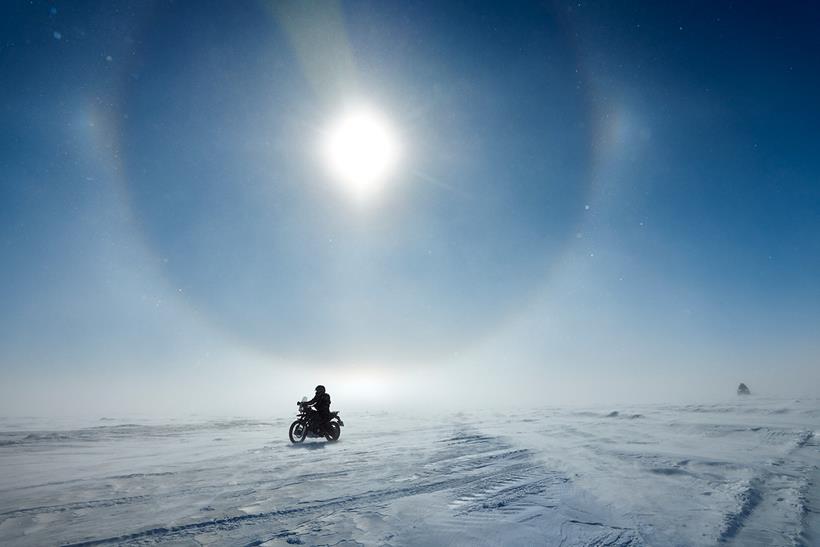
point(742, 389)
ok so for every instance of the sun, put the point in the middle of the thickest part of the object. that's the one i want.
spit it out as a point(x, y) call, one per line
point(361, 151)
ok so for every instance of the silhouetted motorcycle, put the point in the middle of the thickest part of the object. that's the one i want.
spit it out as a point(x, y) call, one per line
point(308, 423)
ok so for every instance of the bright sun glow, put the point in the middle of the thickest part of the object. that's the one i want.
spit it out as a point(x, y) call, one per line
point(361, 151)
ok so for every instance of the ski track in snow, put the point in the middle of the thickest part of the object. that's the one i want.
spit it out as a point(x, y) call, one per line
point(740, 473)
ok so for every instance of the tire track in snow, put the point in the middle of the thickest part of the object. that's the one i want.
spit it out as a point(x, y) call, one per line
point(90, 504)
point(370, 497)
point(772, 507)
point(484, 471)
point(520, 492)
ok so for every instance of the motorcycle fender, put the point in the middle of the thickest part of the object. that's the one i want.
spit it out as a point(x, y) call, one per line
point(341, 423)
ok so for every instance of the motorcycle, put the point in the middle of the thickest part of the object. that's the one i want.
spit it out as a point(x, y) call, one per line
point(309, 424)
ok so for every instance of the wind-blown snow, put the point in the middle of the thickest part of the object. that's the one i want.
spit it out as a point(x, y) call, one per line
point(742, 473)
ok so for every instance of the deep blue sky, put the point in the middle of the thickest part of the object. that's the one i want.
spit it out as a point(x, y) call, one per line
point(590, 193)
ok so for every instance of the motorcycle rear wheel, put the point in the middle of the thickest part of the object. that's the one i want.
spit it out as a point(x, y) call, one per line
point(333, 431)
point(298, 431)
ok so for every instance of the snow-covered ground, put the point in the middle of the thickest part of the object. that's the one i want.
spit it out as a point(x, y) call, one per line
point(745, 473)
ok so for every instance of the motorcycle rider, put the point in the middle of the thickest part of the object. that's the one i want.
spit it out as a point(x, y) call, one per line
point(321, 402)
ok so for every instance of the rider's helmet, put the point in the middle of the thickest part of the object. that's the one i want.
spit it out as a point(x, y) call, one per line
point(320, 389)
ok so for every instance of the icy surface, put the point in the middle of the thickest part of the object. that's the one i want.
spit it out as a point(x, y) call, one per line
point(740, 473)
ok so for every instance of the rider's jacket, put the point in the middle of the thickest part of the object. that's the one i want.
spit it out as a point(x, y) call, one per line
point(321, 403)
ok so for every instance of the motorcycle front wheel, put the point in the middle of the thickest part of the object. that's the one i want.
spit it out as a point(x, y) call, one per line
point(298, 431)
point(333, 431)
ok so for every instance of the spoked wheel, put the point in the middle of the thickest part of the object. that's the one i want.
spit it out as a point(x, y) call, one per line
point(298, 431)
point(333, 431)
